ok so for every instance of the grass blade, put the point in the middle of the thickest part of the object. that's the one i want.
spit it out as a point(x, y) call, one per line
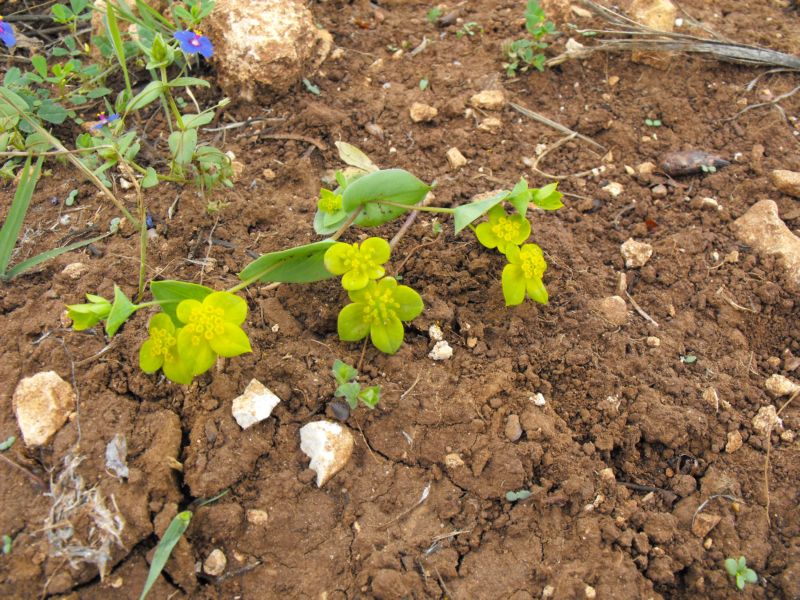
point(119, 48)
point(16, 214)
point(164, 548)
point(44, 256)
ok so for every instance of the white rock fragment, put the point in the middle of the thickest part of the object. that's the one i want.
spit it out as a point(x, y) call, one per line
point(491, 125)
point(767, 419)
point(328, 445)
point(762, 228)
point(734, 442)
point(453, 461)
point(75, 270)
point(117, 455)
point(42, 404)
point(441, 351)
point(538, 399)
point(254, 405)
point(636, 254)
point(264, 45)
point(489, 99)
point(778, 386)
point(614, 189)
point(455, 158)
point(215, 563)
point(435, 333)
point(422, 113)
point(256, 516)
point(652, 341)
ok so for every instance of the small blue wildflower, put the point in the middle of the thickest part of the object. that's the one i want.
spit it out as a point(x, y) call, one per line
point(104, 120)
point(7, 34)
point(149, 221)
point(193, 42)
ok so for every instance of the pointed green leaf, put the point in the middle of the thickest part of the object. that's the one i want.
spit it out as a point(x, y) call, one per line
point(548, 197)
point(121, 309)
point(173, 533)
point(9, 233)
point(182, 145)
point(170, 293)
point(302, 264)
point(467, 213)
point(393, 185)
point(148, 95)
point(49, 254)
point(188, 81)
point(342, 372)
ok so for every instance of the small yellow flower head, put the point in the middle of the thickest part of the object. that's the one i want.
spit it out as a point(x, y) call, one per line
point(503, 230)
point(358, 265)
point(212, 328)
point(523, 275)
point(160, 351)
point(379, 310)
point(329, 202)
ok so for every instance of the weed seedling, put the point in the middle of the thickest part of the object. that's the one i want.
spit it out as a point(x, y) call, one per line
point(737, 568)
point(524, 53)
point(513, 496)
point(433, 14)
point(469, 29)
point(349, 389)
point(652, 122)
point(7, 443)
point(7, 542)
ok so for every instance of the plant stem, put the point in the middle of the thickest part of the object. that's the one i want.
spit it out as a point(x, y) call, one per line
point(173, 107)
point(433, 209)
point(340, 232)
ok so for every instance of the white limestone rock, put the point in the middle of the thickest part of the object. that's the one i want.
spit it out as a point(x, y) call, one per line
point(42, 403)
point(254, 405)
point(636, 254)
point(329, 445)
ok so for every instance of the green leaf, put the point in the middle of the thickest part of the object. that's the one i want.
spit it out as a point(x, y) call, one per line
point(150, 178)
point(311, 87)
point(16, 214)
point(392, 185)
point(39, 62)
point(151, 92)
point(467, 213)
point(370, 396)
point(520, 197)
point(187, 82)
point(52, 113)
point(7, 443)
point(518, 495)
point(50, 254)
point(327, 223)
point(121, 309)
point(7, 542)
point(302, 264)
point(173, 533)
point(342, 372)
point(548, 197)
point(198, 120)
point(98, 93)
point(355, 158)
point(182, 145)
point(350, 392)
point(170, 293)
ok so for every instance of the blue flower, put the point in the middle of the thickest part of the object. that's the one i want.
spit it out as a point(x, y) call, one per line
point(193, 42)
point(7, 34)
point(104, 120)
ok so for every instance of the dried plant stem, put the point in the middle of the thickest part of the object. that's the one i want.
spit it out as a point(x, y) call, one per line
point(557, 126)
point(11, 463)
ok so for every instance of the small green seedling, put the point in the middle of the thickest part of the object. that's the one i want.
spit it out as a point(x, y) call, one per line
point(513, 496)
point(737, 568)
point(708, 168)
point(7, 542)
point(524, 53)
point(652, 122)
point(7, 444)
point(469, 29)
point(689, 359)
point(171, 537)
point(423, 84)
point(311, 87)
point(433, 14)
point(349, 389)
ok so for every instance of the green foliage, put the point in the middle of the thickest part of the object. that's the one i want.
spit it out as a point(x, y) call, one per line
point(524, 53)
point(433, 14)
point(176, 528)
point(349, 389)
point(9, 441)
point(737, 568)
point(7, 543)
point(515, 496)
point(469, 29)
point(652, 122)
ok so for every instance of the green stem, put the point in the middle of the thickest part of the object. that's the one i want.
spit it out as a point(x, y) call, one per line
point(340, 232)
point(142, 242)
point(433, 209)
point(173, 107)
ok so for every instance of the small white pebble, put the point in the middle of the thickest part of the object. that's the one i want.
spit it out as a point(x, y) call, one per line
point(275, 328)
point(441, 351)
point(538, 399)
point(435, 333)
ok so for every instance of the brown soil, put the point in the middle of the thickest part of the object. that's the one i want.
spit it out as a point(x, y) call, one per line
point(614, 404)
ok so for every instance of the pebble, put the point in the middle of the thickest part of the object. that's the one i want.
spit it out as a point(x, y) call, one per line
point(607, 474)
point(710, 204)
point(590, 592)
point(257, 516)
point(329, 445)
point(767, 420)
point(441, 351)
point(42, 403)
point(453, 461)
point(762, 228)
point(513, 429)
point(614, 189)
point(613, 80)
point(703, 523)
point(614, 310)
point(652, 341)
point(491, 124)
point(787, 436)
point(734, 442)
point(659, 191)
point(422, 113)
point(269, 175)
point(787, 181)
point(75, 270)
point(455, 158)
point(435, 333)
point(646, 168)
point(636, 254)
point(538, 399)
point(779, 386)
point(489, 100)
point(254, 405)
point(215, 563)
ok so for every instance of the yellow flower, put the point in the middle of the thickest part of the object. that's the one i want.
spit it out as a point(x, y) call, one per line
point(523, 275)
point(503, 230)
point(358, 265)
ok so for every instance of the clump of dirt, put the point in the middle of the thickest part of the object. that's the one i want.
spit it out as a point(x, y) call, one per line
point(643, 466)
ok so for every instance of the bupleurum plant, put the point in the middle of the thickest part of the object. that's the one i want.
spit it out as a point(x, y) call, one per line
point(197, 324)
